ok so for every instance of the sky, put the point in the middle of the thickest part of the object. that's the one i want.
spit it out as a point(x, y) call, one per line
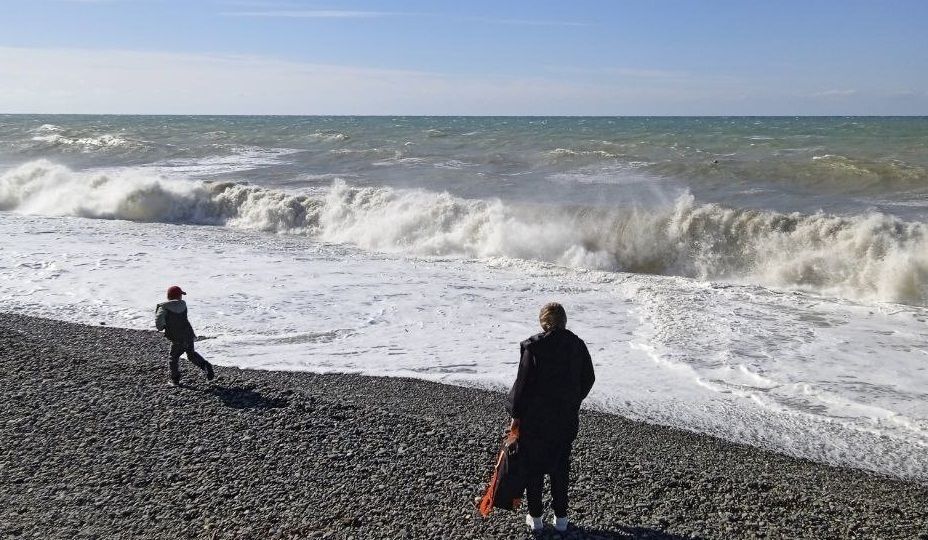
point(479, 57)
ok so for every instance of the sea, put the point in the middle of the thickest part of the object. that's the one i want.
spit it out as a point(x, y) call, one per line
point(763, 280)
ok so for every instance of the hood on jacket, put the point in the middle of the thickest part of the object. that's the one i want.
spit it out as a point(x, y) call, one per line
point(175, 306)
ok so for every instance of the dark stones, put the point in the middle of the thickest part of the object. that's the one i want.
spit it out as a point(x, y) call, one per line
point(93, 444)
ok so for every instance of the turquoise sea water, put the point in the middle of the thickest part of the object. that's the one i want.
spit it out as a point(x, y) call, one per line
point(839, 164)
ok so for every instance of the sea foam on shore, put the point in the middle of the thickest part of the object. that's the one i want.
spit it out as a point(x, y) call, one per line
point(787, 371)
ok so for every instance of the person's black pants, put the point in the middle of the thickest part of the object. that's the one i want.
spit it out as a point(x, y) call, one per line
point(552, 459)
point(180, 347)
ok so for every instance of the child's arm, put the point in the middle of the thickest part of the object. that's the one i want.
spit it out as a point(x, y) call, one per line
point(160, 318)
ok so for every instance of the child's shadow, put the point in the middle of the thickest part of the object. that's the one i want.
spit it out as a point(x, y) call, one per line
point(246, 398)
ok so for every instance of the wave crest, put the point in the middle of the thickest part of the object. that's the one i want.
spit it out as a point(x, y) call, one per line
point(52, 136)
point(868, 257)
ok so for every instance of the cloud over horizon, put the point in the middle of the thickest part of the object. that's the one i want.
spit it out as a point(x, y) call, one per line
point(63, 80)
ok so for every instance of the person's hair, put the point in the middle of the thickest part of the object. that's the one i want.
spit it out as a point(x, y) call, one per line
point(552, 316)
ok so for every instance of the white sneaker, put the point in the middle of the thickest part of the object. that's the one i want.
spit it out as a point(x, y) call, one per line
point(560, 524)
point(535, 524)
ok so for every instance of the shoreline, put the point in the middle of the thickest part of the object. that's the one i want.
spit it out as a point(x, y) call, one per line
point(96, 445)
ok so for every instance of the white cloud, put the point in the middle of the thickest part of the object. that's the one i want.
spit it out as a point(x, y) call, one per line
point(651, 73)
point(349, 14)
point(521, 22)
point(622, 72)
point(106, 81)
point(310, 14)
point(263, 4)
point(35, 80)
point(904, 94)
point(835, 93)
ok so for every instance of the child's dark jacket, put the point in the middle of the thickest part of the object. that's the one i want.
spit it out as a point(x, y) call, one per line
point(172, 318)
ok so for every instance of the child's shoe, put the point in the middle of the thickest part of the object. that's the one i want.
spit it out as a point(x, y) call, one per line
point(560, 524)
point(534, 524)
point(209, 373)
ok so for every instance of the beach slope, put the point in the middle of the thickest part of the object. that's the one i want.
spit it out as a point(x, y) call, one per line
point(93, 444)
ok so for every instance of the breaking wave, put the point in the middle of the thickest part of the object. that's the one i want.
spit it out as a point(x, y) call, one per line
point(868, 257)
point(51, 136)
point(330, 136)
point(558, 153)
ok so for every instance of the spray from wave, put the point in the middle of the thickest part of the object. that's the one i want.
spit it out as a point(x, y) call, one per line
point(868, 257)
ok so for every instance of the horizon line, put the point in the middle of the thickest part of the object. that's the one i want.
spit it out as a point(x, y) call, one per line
point(300, 115)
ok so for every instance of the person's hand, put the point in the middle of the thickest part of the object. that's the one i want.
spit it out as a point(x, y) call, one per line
point(513, 432)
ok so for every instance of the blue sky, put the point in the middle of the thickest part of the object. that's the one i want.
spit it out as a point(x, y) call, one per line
point(619, 57)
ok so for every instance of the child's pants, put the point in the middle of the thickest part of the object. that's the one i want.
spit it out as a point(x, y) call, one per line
point(180, 347)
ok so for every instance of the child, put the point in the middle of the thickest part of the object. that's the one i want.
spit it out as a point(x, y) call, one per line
point(171, 317)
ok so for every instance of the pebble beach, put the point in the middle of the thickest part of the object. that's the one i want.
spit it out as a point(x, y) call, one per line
point(94, 444)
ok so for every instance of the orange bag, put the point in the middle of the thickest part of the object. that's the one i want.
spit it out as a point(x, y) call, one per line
point(507, 483)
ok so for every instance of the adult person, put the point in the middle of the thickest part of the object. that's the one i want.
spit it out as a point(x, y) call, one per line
point(555, 376)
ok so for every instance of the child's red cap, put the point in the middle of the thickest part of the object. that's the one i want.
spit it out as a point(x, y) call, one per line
point(175, 292)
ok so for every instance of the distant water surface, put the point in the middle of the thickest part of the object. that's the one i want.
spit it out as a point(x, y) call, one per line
point(836, 164)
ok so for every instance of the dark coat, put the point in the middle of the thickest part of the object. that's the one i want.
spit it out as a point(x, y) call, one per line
point(555, 376)
point(172, 318)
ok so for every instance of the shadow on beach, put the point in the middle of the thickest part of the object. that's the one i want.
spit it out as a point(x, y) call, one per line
point(637, 533)
point(244, 398)
point(623, 533)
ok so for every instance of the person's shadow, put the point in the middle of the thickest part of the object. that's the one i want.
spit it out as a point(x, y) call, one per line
point(637, 533)
point(623, 533)
point(246, 398)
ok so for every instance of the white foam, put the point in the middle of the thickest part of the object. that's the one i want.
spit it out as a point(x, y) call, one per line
point(54, 135)
point(88, 143)
point(330, 136)
point(816, 377)
point(872, 257)
point(244, 158)
point(568, 152)
point(616, 174)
